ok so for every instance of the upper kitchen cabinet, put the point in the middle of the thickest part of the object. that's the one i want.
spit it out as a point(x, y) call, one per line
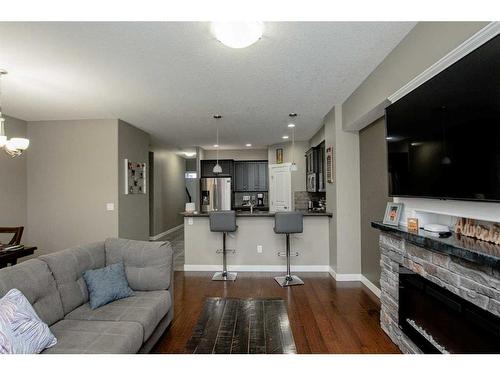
point(207, 167)
point(250, 176)
point(315, 168)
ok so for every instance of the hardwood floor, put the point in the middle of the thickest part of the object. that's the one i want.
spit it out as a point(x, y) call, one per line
point(325, 316)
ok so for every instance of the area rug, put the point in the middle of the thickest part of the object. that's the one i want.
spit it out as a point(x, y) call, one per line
point(242, 326)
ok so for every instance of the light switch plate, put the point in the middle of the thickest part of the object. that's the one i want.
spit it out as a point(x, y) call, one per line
point(259, 249)
point(190, 221)
point(110, 206)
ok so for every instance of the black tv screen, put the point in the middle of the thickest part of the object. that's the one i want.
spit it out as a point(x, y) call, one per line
point(443, 138)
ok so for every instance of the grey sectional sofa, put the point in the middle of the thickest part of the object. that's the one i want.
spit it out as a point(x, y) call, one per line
point(55, 287)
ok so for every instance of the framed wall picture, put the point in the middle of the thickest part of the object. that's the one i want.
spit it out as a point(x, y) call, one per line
point(135, 177)
point(393, 213)
point(329, 165)
point(279, 156)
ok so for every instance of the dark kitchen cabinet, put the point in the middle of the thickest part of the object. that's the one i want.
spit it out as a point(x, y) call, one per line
point(320, 150)
point(207, 167)
point(315, 168)
point(250, 176)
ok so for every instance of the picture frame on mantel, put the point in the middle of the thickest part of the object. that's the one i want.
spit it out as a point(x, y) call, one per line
point(393, 213)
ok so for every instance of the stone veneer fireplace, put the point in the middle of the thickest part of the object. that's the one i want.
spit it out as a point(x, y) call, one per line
point(433, 279)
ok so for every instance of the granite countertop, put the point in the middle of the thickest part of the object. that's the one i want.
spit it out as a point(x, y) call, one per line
point(470, 249)
point(256, 214)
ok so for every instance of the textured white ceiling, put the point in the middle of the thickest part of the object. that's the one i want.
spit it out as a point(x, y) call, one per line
point(169, 78)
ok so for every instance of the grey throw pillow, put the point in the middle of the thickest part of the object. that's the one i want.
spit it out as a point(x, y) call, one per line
point(106, 285)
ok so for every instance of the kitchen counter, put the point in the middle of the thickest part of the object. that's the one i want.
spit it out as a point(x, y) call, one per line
point(257, 213)
point(256, 243)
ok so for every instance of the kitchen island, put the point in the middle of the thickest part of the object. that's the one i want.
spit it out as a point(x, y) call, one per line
point(255, 230)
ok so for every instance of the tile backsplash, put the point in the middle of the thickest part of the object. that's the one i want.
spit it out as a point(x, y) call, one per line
point(302, 198)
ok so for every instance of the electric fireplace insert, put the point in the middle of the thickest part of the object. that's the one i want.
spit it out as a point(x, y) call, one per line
point(439, 321)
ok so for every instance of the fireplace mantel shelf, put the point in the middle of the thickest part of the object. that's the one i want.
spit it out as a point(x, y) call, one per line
point(470, 249)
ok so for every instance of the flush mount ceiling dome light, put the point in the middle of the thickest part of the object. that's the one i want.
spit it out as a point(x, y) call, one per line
point(14, 146)
point(238, 34)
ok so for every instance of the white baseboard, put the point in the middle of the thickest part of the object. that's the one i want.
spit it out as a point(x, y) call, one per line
point(355, 277)
point(370, 286)
point(255, 268)
point(171, 230)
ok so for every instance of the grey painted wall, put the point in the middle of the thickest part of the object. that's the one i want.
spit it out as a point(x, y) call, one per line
point(373, 171)
point(318, 137)
point(13, 174)
point(133, 209)
point(331, 190)
point(170, 190)
point(425, 44)
point(71, 175)
point(342, 197)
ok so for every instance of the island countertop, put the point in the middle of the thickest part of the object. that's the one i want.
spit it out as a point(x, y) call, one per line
point(257, 214)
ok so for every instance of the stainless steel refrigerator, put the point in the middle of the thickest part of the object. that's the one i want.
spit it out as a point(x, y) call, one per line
point(215, 194)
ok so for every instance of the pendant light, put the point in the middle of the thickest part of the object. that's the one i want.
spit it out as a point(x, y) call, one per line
point(293, 167)
point(14, 146)
point(217, 168)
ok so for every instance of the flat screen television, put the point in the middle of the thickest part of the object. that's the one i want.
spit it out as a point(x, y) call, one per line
point(443, 138)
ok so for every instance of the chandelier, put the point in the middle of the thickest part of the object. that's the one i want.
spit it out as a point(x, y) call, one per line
point(14, 146)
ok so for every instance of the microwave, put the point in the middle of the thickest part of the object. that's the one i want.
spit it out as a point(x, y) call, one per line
point(311, 182)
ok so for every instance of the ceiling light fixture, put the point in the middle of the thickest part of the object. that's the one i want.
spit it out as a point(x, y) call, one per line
point(217, 168)
point(238, 34)
point(14, 146)
point(291, 125)
point(248, 145)
point(190, 154)
point(285, 137)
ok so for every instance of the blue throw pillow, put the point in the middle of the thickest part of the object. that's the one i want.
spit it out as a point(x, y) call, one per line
point(106, 285)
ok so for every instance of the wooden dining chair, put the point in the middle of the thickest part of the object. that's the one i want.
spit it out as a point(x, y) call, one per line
point(17, 231)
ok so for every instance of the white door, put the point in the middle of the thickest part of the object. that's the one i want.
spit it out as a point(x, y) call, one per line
point(280, 187)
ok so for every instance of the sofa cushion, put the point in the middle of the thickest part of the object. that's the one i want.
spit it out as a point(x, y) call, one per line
point(148, 265)
point(146, 308)
point(106, 284)
point(68, 267)
point(34, 279)
point(28, 334)
point(80, 336)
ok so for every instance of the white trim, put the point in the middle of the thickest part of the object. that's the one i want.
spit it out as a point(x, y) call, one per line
point(344, 276)
point(355, 277)
point(478, 39)
point(255, 268)
point(370, 286)
point(171, 230)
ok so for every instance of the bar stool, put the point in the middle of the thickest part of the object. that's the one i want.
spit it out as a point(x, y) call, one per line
point(225, 222)
point(287, 223)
